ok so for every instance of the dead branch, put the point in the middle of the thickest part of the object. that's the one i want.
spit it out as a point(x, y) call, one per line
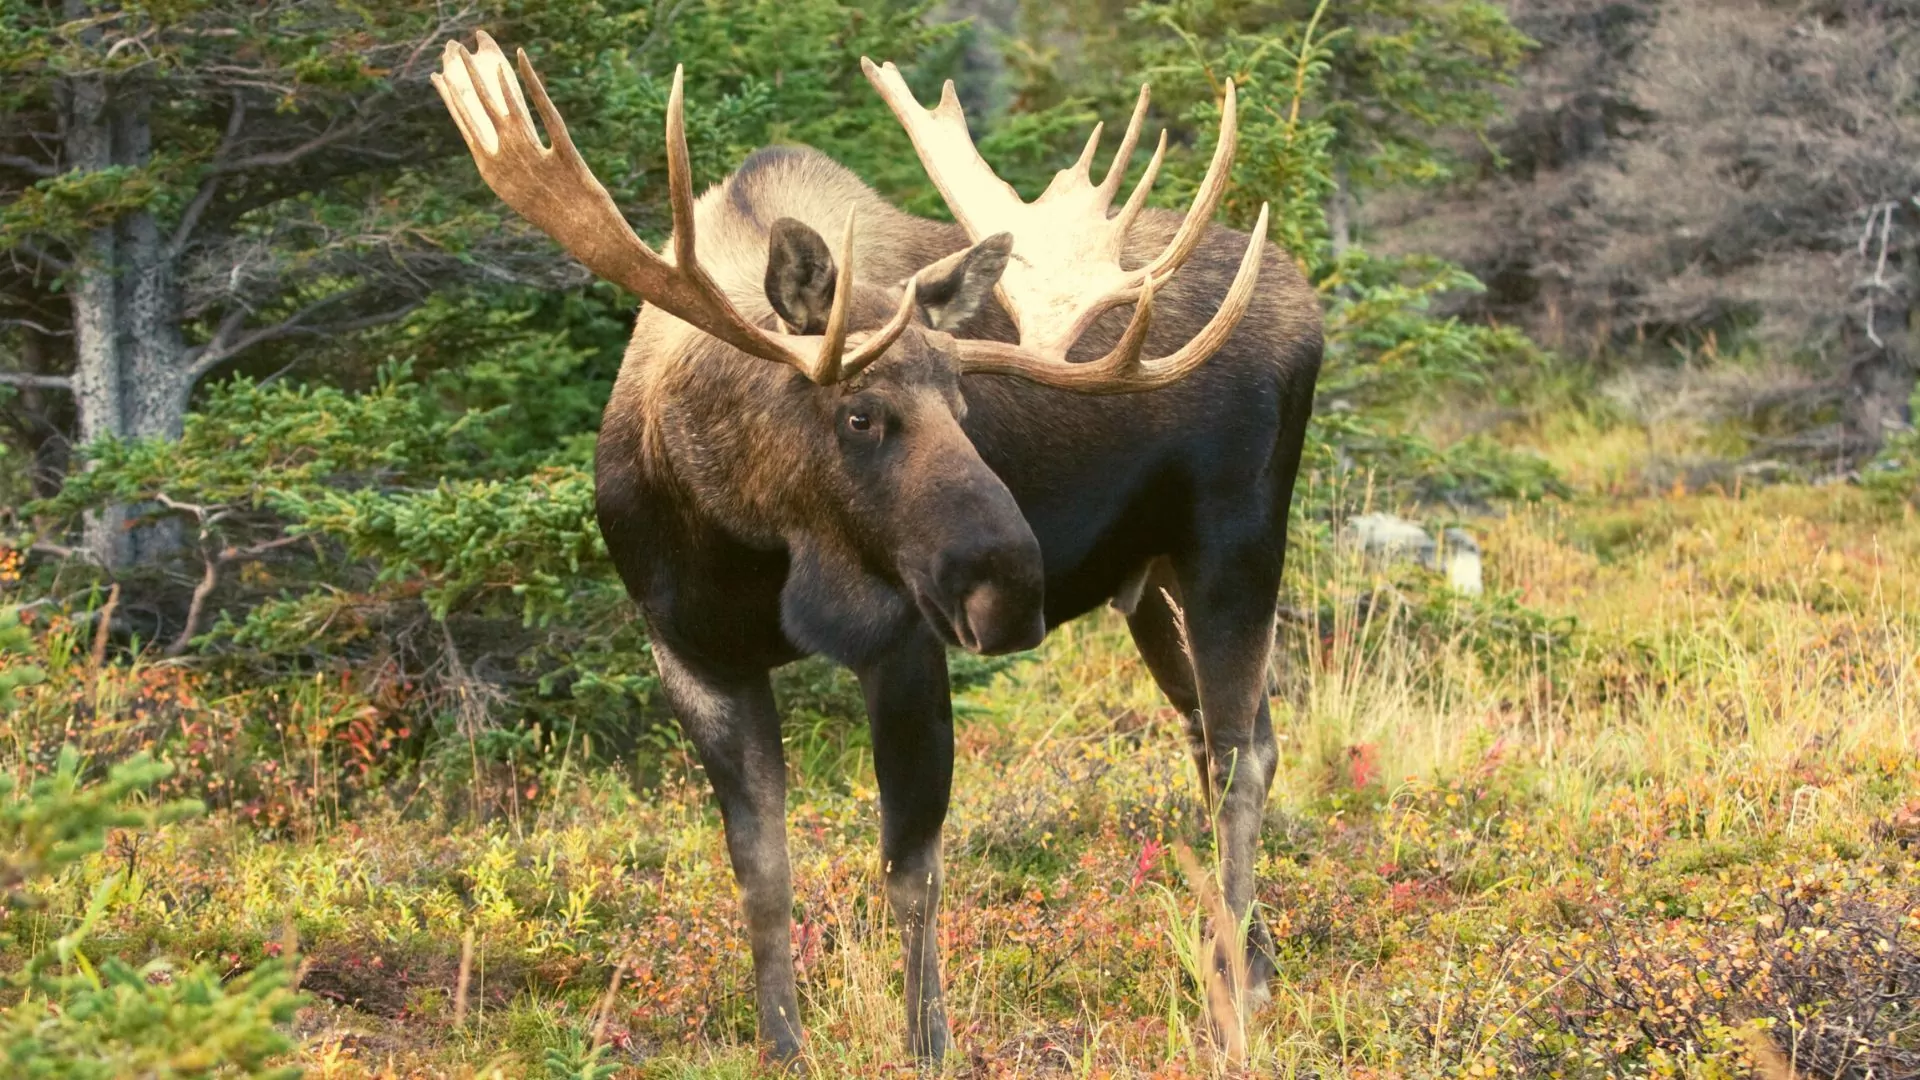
point(99, 654)
point(38, 328)
point(210, 579)
point(294, 326)
point(42, 255)
point(199, 512)
point(206, 357)
point(460, 985)
point(203, 198)
point(28, 165)
point(279, 159)
point(43, 382)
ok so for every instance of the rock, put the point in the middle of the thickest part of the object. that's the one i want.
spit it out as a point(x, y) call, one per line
point(1388, 538)
point(1460, 559)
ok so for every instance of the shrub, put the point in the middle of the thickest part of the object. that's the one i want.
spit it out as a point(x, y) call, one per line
point(78, 1018)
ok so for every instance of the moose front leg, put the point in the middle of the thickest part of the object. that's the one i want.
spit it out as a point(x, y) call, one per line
point(735, 727)
point(911, 714)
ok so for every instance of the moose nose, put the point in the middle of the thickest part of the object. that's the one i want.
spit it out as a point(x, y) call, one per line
point(991, 591)
point(1000, 621)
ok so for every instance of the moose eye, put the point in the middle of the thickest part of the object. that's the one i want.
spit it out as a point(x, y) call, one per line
point(860, 421)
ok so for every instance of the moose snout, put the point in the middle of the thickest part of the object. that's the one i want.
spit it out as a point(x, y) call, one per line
point(1001, 620)
point(991, 591)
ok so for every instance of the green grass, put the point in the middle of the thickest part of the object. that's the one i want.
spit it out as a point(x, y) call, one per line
point(1681, 839)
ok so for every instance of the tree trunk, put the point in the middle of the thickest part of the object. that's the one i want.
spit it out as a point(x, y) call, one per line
point(97, 344)
point(129, 378)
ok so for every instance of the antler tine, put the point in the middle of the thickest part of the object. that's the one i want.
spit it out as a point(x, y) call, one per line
point(1207, 199)
point(827, 368)
point(505, 88)
point(491, 98)
point(1084, 166)
point(1112, 373)
point(470, 90)
point(450, 97)
point(680, 173)
point(1123, 221)
point(714, 313)
point(549, 116)
point(1122, 371)
point(882, 339)
point(1124, 360)
point(976, 195)
point(1117, 172)
point(1075, 181)
point(1219, 328)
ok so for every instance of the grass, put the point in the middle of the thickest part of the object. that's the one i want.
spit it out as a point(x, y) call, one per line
point(1646, 808)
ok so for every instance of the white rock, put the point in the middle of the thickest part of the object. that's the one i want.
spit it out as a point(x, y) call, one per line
point(1388, 538)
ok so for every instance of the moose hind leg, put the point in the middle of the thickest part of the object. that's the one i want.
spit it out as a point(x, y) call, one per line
point(1231, 602)
point(1155, 623)
point(735, 728)
point(911, 715)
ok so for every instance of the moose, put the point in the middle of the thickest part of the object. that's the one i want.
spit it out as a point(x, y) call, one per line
point(925, 436)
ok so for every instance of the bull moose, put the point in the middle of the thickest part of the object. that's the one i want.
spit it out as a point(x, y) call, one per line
point(928, 435)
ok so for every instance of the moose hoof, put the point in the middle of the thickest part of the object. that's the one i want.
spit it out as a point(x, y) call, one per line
point(1257, 963)
point(1260, 969)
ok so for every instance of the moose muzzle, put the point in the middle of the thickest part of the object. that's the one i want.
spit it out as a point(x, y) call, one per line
point(986, 589)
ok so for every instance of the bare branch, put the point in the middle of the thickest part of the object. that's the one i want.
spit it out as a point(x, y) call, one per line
point(210, 578)
point(43, 255)
point(137, 40)
point(28, 165)
point(38, 328)
point(254, 551)
point(1884, 212)
point(217, 343)
point(61, 551)
point(214, 354)
point(43, 382)
point(171, 503)
point(201, 590)
point(204, 197)
point(99, 655)
point(281, 158)
point(220, 349)
point(190, 218)
point(365, 322)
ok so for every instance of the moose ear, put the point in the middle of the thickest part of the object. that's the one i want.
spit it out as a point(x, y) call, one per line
point(952, 289)
point(799, 276)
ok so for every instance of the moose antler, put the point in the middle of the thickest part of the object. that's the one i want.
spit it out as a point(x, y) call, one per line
point(554, 189)
point(1065, 270)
